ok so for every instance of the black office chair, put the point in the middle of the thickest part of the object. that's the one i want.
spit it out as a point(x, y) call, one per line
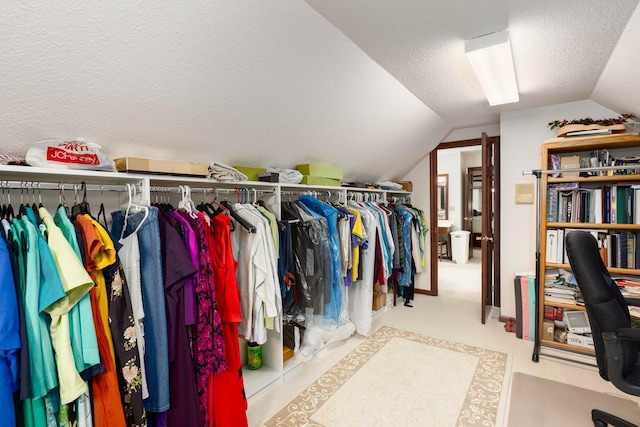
point(615, 341)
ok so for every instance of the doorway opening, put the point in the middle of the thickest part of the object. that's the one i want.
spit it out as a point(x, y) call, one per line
point(465, 215)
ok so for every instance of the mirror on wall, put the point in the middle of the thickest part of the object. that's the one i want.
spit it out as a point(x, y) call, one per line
point(443, 196)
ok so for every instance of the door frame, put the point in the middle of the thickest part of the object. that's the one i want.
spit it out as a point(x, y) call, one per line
point(433, 216)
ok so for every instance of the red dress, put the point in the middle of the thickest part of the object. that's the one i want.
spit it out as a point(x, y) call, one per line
point(227, 401)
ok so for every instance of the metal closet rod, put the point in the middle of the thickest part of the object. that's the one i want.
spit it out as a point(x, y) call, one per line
point(593, 169)
point(157, 189)
point(59, 186)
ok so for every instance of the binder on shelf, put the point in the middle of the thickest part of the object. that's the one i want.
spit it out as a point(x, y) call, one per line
point(560, 249)
point(597, 206)
point(552, 246)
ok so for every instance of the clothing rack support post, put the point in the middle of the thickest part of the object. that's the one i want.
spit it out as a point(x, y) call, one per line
point(536, 346)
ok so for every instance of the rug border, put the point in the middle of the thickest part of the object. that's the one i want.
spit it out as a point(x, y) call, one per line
point(480, 407)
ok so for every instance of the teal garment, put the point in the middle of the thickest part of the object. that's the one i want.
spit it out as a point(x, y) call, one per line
point(36, 299)
point(34, 412)
point(82, 328)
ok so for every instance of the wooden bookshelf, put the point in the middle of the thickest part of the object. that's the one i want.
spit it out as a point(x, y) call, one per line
point(620, 145)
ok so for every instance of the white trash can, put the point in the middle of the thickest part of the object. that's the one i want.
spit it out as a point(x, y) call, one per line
point(460, 246)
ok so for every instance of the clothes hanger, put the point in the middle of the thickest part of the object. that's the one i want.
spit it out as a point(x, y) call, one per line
point(250, 228)
point(81, 207)
point(10, 213)
point(35, 207)
point(21, 208)
point(133, 207)
point(186, 204)
point(62, 200)
point(101, 210)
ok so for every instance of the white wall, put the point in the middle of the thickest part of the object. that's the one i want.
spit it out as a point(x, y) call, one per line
point(521, 135)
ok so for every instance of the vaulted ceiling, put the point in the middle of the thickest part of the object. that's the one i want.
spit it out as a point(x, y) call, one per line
point(370, 85)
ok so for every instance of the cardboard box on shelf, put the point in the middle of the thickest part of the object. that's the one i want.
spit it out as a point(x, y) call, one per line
point(321, 170)
point(580, 340)
point(138, 164)
point(406, 185)
point(250, 171)
point(547, 330)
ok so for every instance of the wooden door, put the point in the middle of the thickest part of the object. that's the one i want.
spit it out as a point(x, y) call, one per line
point(487, 227)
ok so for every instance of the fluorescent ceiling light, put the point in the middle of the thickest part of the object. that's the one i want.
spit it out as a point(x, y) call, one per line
point(491, 60)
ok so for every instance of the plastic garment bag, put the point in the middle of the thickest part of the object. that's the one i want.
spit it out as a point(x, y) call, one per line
point(334, 303)
point(308, 263)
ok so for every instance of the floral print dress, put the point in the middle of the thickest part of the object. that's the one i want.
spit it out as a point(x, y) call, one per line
point(209, 349)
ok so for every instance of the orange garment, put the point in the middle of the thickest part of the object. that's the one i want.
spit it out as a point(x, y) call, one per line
point(99, 254)
point(107, 405)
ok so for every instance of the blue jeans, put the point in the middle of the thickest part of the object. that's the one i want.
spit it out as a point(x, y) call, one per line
point(155, 319)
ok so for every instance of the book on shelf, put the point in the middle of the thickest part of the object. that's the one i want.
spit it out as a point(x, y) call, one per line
point(597, 206)
point(558, 299)
point(552, 205)
point(552, 246)
point(553, 313)
point(589, 132)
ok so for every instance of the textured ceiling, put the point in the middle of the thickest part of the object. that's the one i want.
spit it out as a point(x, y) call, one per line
point(560, 48)
point(370, 86)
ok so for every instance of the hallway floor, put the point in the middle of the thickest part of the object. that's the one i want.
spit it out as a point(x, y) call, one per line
point(453, 315)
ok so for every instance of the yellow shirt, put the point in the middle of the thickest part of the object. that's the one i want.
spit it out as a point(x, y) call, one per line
point(358, 231)
point(76, 282)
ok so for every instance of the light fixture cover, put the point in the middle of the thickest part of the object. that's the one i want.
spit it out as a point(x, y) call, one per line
point(491, 60)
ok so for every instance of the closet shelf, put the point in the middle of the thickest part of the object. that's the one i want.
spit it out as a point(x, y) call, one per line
point(28, 173)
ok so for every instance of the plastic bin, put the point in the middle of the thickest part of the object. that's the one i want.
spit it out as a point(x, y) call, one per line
point(460, 246)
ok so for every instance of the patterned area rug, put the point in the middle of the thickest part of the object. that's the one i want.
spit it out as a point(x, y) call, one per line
point(400, 378)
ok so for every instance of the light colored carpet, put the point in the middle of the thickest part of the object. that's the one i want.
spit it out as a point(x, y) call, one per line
point(539, 402)
point(430, 382)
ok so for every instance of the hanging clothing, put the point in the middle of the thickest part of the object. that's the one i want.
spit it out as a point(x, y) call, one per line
point(227, 402)
point(107, 405)
point(256, 275)
point(155, 323)
point(9, 337)
point(333, 303)
point(83, 335)
point(184, 408)
point(58, 260)
point(129, 254)
point(36, 299)
point(361, 291)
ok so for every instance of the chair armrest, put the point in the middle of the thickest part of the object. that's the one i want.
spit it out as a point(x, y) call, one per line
point(615, 357)
point(632, 301)
point(629, 334)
